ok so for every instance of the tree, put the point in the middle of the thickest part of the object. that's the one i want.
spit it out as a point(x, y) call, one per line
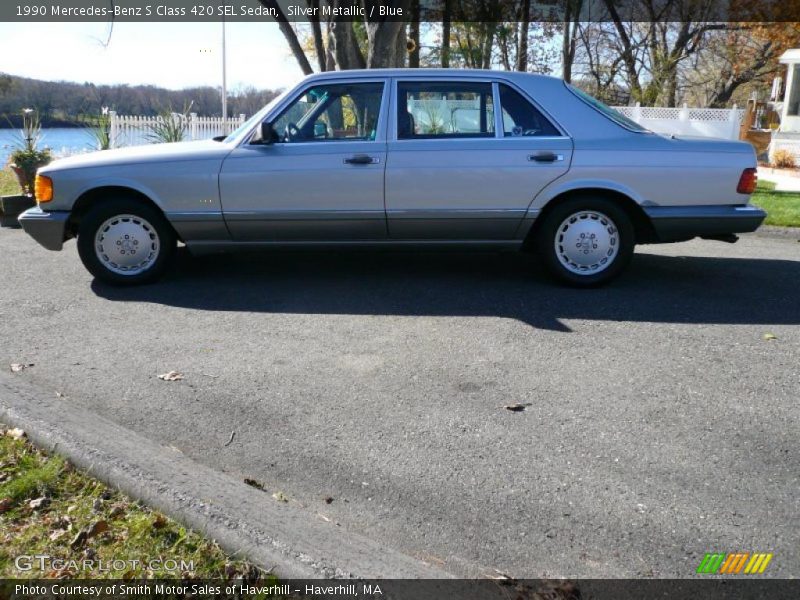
point(384, 39)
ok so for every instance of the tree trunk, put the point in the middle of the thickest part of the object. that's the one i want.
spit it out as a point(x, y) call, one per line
point(319, 46)
point(446, 35)
point(290, 35)
point(571, 20)
point(346, 52)
point(387, 40)
point(486, 46)
point(522, 37)
point(413, 36)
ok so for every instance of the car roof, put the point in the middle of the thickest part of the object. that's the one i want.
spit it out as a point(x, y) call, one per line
point(427, 72)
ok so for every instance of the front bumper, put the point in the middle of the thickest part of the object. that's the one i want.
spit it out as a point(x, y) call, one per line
point(673, 223)
point(47, 228)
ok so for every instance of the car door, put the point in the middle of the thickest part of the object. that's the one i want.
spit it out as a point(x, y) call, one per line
point(321, 178)
point(458, 168)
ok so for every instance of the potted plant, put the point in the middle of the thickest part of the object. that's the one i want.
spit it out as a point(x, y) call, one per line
point(25, 160)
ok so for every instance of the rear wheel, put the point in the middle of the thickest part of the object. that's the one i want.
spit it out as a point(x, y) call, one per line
point(125, 242)
point(586, 241)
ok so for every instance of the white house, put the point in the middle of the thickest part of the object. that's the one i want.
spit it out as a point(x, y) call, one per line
point(787, 137)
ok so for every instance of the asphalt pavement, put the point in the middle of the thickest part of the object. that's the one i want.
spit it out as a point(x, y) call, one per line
point(370, 390)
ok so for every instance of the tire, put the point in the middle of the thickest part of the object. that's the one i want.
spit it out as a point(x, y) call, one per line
point(586, 241)
point(125, 242)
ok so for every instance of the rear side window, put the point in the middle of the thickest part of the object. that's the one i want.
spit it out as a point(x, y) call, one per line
point(521, 118)
point(440, 110)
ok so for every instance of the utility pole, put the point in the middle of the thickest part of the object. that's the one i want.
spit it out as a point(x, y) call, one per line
point(224, 81)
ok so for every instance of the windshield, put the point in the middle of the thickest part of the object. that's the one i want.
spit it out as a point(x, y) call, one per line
point(256, 118)
point(612, 114)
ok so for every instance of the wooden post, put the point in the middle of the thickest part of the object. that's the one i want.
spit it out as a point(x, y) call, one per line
point(113, 130)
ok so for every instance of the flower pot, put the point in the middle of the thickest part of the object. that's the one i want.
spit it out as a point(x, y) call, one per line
point(12, 206)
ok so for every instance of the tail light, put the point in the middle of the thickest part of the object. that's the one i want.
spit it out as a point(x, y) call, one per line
point(43, 188)
point(747, 182)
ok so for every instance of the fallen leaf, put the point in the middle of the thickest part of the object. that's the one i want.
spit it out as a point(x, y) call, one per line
point(17, 367)
point(280, 497)
point(96, 528)
point(159, 522)
point(770, 336)
point(500, 576)
point(16, 433)
point(518, 407)
point(78, 540)
point(256, 484)
point(39, 503)
point(171, 376)
point(5, 504)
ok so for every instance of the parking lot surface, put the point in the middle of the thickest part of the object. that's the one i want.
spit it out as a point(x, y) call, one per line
point(659, 423)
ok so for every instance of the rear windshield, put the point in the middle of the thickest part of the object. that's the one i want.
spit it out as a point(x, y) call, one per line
point(612, 114)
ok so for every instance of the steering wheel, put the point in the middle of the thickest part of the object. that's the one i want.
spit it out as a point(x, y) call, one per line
point(292, 132)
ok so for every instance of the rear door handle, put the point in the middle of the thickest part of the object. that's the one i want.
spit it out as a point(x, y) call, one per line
point(545, 157)
point(362, 159)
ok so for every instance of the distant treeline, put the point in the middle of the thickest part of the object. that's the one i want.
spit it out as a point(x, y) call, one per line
point(65, 104)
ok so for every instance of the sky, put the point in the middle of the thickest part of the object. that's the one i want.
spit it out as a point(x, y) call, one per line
point(170, 55)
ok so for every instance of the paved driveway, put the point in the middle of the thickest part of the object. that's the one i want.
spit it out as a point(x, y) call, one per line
point(661, 424)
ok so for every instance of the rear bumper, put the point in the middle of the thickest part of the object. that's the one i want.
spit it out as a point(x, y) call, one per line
point(672, 223)
point(47, 228)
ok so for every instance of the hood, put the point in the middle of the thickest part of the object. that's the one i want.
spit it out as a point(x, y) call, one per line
point(179, 151)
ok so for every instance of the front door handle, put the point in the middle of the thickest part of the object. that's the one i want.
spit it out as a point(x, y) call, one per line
point(362, 159)
point(545, 157)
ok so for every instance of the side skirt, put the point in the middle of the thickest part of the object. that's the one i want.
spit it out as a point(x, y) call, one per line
point(202, 247)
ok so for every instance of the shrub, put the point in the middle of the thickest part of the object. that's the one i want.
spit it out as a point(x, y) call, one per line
point(783, 159)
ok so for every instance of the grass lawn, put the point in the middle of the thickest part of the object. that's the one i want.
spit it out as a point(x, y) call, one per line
point(783, 208)
point(48, 507)
point(8, 183)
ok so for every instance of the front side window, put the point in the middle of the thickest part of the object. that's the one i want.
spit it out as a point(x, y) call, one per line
point(521, 118)
point(434, 110)
point(334, 112)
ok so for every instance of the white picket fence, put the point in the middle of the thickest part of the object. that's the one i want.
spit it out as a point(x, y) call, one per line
point(128, 130)
point(704, 122)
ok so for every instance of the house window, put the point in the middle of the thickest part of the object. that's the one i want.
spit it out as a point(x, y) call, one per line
point(793, 99)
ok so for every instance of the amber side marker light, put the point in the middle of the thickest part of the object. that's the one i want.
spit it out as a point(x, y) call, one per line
point(43, 188)
point(747, 182)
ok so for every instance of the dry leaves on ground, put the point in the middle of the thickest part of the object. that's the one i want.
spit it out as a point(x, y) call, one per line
point(16, 433)
point(171, 376)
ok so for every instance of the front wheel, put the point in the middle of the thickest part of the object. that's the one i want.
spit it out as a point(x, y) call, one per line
point(125, 242)
point(585, 241)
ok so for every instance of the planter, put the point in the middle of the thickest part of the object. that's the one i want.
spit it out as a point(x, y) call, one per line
point(12, 206)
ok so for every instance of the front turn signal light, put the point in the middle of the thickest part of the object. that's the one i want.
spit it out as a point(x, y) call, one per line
point(43, 189)
point(747, 182)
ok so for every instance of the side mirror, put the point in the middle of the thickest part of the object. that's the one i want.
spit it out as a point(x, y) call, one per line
point(268, 134)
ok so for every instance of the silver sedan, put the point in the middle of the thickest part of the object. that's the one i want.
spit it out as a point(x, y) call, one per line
point(410, 158)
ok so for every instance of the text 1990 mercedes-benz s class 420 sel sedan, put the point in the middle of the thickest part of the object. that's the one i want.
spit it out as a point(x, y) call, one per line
point(404, 157)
